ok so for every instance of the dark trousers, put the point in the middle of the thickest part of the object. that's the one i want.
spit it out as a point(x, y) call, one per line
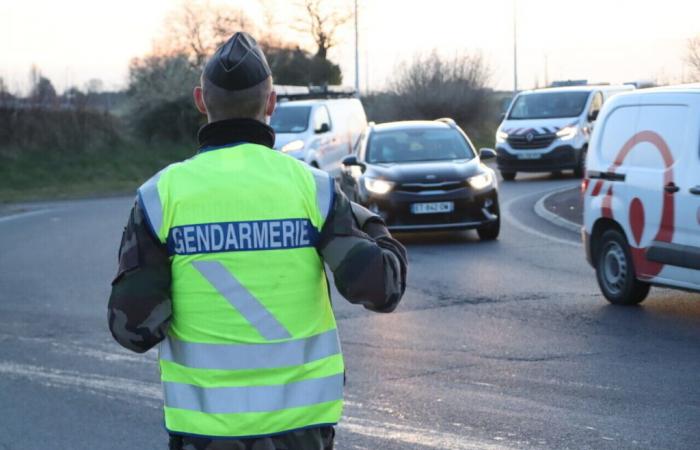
point(309, 439)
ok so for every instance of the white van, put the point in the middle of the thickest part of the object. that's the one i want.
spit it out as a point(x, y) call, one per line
point(642, 193)
point(547, 130)
point(320, 132)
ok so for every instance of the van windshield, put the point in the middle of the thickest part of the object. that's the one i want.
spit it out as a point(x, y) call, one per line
point(290, 119)
point(417, 144)
point(549, 105)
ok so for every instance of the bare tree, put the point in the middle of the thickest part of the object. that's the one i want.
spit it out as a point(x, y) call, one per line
point(432, 86)
point(323, 19)
point(198, 28)
point(693, 57)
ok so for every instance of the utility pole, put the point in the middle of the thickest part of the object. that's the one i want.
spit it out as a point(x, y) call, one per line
point(515, 48)
point(357, 53)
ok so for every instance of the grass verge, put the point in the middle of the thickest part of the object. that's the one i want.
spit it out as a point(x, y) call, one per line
point(60, 175)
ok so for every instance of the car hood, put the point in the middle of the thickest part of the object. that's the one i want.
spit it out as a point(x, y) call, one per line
point(282, 139)
point(426, 172)
point(536, 126)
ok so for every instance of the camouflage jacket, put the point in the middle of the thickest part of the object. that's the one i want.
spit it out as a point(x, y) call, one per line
point(368, 265)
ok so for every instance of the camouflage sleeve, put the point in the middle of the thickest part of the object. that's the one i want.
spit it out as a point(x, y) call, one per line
point(369, 266)
point(140, 307)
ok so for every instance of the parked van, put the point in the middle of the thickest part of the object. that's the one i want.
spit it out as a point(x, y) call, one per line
point(319, 131)
point(642, 193)
point(547, 130)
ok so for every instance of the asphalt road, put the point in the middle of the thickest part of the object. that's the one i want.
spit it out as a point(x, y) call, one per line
point(501, 345)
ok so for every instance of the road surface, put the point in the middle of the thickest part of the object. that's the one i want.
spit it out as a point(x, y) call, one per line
point(500, 345)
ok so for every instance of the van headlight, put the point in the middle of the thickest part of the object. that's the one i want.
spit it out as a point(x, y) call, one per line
point(481, 181)
point(378, 186)
point(501, 136)
point(293, 146)
point(567, 133)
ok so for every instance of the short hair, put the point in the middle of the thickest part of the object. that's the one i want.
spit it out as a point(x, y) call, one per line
point(247, 103)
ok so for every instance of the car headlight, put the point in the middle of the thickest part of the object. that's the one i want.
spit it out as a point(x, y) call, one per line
point(501, 136)
point(377, 186)
point(481, 181)
point(292, 146)
point(567, 133)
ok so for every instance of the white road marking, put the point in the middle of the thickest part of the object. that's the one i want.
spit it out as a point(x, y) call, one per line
point(22, 215)
point(510, 218)
point(134, 390)
point(413, 435)
point(112, 386)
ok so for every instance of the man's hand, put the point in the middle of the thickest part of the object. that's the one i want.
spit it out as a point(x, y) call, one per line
point(369, 222)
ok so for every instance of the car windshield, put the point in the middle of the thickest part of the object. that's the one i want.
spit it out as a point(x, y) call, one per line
point(417, 144)
point(549, 105)
point(290, 119)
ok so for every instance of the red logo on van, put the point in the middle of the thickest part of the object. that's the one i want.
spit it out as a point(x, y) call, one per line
point(644, 267)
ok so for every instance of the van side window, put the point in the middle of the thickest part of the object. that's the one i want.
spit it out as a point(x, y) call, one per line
point(596, 104)
point(321, 118)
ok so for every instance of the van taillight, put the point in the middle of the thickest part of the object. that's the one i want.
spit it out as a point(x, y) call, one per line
point(584, 185)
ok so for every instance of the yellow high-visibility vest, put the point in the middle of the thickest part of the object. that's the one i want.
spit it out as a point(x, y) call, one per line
point(252, 348)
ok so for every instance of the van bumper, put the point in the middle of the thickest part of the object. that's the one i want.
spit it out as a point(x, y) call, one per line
point(563, 157)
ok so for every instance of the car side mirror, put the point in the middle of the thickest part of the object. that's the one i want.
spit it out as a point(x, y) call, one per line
point(593, 115)
point(487, 153)
point(324, 128)
point(350, 160)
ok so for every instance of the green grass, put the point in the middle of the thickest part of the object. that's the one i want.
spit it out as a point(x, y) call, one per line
point(61, 175)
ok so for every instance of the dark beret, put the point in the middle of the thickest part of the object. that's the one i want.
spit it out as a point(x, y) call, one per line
point(238, 64)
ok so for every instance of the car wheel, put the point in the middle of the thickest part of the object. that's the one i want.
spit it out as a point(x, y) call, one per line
point(508, 176)
point(491, 231)
point(615, 271)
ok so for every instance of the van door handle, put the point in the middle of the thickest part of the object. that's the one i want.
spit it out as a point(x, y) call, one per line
point(695, 190)
point(671, 188)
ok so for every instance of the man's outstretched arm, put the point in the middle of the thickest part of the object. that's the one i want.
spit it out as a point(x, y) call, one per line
point(369, 266)
point(140, 307)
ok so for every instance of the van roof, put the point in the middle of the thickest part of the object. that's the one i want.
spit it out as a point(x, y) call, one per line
point(690, 88)
point(586, 88)
point(313, 101)
point(406, 124)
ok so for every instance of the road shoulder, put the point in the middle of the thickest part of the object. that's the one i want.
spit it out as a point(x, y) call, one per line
point(562, 208)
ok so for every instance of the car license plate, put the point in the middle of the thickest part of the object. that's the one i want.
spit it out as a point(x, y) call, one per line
point(529, 156)
point(432, 208)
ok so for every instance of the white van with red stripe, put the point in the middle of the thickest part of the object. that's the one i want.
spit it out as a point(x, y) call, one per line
point(547, 130)
point(642, 193)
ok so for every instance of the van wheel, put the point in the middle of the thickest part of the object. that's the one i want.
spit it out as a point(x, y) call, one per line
point(508, 176)
point(615, 271)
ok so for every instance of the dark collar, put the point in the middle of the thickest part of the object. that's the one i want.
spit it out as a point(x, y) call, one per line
point(235, 131)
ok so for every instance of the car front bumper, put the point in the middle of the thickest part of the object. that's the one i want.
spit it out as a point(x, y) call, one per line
point(471, 209)
point(563, 157)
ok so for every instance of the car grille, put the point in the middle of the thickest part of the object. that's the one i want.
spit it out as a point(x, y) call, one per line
point(521, 142)
point(422, 187)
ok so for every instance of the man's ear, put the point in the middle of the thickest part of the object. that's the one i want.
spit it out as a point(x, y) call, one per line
point(271, 103)
point(198, 95)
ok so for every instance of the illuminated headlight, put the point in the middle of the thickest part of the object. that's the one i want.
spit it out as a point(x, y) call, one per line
point(567, 133)
point(293, 146)
point(378, 186)
point(481, 181)
point(501, 136)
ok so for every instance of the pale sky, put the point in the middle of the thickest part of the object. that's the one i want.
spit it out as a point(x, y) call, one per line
point(72, 41)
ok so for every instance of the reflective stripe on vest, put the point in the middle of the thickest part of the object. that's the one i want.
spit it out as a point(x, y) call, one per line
point(251, 356)
point(151, 204)
point(253, 399)
point(239, 297)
